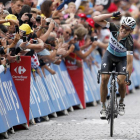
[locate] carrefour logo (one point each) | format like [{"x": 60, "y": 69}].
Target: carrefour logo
[{"x": 20, "y": 70}]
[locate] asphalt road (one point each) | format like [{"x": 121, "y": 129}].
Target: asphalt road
[{"x": 85, "y": 124}]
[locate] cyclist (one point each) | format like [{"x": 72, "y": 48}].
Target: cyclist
[{"x": 120, "y": 52}]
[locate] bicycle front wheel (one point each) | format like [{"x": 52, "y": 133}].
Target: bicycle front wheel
[{"x": 112, "y": 110}]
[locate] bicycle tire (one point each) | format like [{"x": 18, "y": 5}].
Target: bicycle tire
[{"x": 112, "y": 110}]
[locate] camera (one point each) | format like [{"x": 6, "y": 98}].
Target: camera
[
  {"x": 38, "y": 18},
  {"x": 24, "y": 37},
  {"x": 48, "y": 20},
  {"x": 95, "y": 38},
  {"x": 35, "y": 26},
  {"x": 29, "y": 15}
]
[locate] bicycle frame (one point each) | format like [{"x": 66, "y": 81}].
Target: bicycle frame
[
  {"x": 112, "y": 108},
  {"x": 113, "y": 95}
]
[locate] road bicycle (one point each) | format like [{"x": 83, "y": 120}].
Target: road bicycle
[{"x": 112, "y": 108}]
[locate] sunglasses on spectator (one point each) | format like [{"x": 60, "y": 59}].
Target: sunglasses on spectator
[
  {"x": 83, "y": 19},
  {"x": 126, "y": 28},
  {"x": 61, "y": 33},
  {"x": 68, "y": 33}
]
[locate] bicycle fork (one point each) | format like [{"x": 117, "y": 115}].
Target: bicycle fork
[{"x": 115, "y": 101}]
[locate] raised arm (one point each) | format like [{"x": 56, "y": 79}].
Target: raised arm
[{"x": 100, "y": 19}]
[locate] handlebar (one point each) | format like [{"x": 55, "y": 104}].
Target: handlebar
[{"x": 115, "y": 73}]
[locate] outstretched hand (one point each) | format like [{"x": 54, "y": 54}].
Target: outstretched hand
[{"x": 116, "y": 14}]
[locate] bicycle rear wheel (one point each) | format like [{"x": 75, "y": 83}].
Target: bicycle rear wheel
[{"x": 112, "y": 110}]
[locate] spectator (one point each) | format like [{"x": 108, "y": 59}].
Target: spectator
[
  {"x": 47, "y": 8},
  {"x": 16, "y": 6}
]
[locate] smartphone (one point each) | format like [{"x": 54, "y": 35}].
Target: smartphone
[
  {"x": 47, "y": 23},
  {"x": 29, "y": 15},
  {"x": 24, "y": 37},
  {"x": 16, "y": 29},
  {"x": 34, "y": 41},
  {"x": 95, "y": 38},
  {"x": 17, "y": 58}
]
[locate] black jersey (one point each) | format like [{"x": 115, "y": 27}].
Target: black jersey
[{"x": 119, "y": 48}]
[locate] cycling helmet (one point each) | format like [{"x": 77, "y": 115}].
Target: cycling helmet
[{"x": 129, "y": 21}]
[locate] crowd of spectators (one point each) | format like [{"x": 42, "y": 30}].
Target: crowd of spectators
[{"x": 54, "y": 30}]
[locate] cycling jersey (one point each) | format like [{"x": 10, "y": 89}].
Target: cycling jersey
[{"x": 120, "y": 48}]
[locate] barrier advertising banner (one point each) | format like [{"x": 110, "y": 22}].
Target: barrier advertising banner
[
  {"x": 136, "y": 65},
  {"x": 65, "y": 78},
  {"x": 54, "y": 92},
  {"x": 91, "y": 82},
  {"x": 40, "y": 102},
  {"x": 21, "y": 74},
  {"x": 11, "y": 112},
  {"x": 134, "y": 78},
  {"x": 61, "y": 86},
  {"x": 94, "y": 71},
  {"x": 89, "y": 85},
  {"x": 95, "y": 54},
  {"x": 88, "y": 93},
  {"x": 31, "y": 115},
  {"x": 77, "y": 78},
  {"x": 3, "y": 122}
]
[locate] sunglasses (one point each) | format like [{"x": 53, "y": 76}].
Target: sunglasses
[
  {"x": 126, "y": 28},
  {"x": 68, "y": 33},
  {"x": 83, "y": 19},
  {"x": 60, "y": 33}
]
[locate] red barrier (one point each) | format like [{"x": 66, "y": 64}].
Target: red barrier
[
  {"x": 77, "y": 77},
  {"x": 21, "y": 74}
]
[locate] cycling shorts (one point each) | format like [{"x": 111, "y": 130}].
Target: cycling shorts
[{"x": 108, "y": 60}]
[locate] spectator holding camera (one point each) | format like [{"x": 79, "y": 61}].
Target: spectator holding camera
[{"x": 26, "y": 16}]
